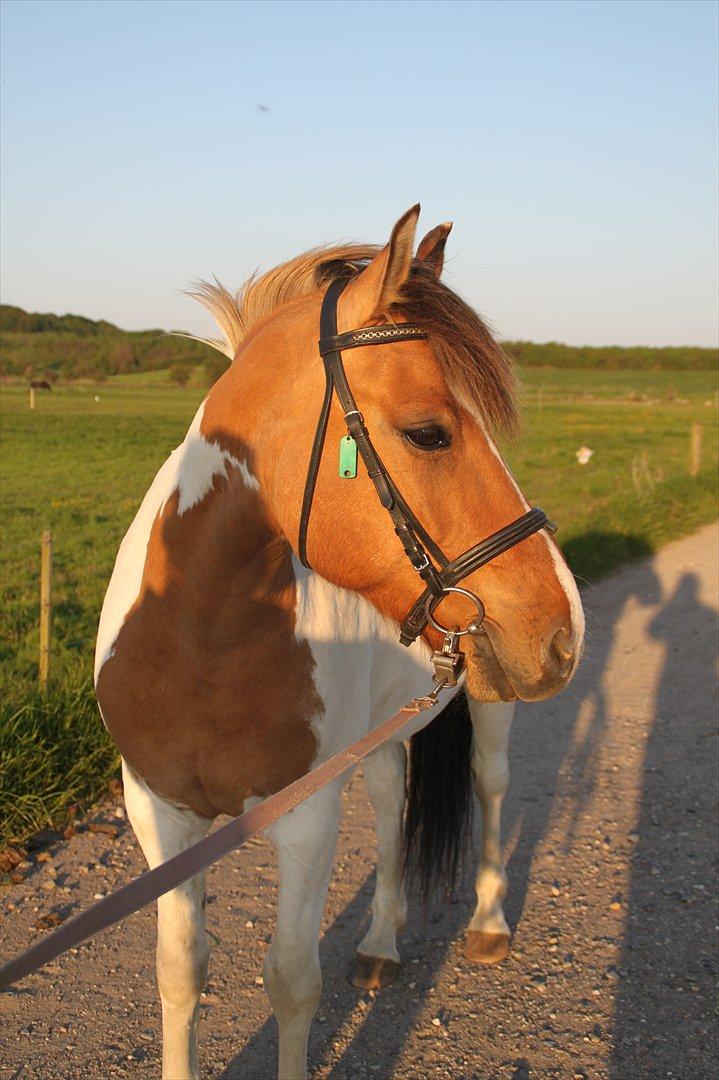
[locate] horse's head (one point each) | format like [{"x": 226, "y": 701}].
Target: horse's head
[{"x": 430, "y": 406}]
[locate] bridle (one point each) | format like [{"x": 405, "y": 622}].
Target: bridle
[{"x": 438, "y": 579}]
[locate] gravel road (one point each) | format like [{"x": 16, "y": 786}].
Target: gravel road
[{"x": 611, "y": 850}]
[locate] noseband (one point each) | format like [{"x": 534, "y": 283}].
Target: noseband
[{"x": 439, "y": 579}]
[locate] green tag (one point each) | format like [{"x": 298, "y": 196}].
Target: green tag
[{"x": 348, "y": 457}]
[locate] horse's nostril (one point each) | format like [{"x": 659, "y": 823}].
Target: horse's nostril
[{"x": 563, "y": 650}]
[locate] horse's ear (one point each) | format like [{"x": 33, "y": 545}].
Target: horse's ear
[
  {"x": 431, "y": 249},
  {"x": 378, "y": 287}
]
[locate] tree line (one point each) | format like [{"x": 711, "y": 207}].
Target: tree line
[
  {"x": 74, "y": 347},
  {"x": 554, "y": 354}
]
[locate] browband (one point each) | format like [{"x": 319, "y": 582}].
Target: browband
[{"x": 370, "y": 335}]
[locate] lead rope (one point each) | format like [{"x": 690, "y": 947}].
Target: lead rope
[{"x": 154, "y": 883}]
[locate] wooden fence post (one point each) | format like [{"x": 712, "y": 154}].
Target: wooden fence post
[
  {"x": 32, "y": 398},
  {"x": 695, "y": 449},
  {"x": 45, "y": 607}
]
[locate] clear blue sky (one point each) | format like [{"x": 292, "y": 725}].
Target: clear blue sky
[{"x": 573, "y": 144}]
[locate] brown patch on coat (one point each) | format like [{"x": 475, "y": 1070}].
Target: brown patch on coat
[{"x": 207, "y": 693}]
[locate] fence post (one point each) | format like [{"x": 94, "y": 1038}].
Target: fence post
[
  {"x": 45, "y": 607},
  {"x": 695, "y": 449},
  {"x": 32, "y": 398}
]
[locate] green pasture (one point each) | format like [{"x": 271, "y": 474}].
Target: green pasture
[{"x": 81, "y": 462}]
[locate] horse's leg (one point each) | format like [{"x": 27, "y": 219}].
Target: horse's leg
[
  {"x": 182, "y": 950},
  {"x": 377, "y": 960},
  {"x": 305, "y": 840},
  {"x": 488, "y": 936}
]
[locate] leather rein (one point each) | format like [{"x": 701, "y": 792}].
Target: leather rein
[{"x": 440, "y": 576}]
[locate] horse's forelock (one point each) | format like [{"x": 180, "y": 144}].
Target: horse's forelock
[{"x": 476, "y": 368}]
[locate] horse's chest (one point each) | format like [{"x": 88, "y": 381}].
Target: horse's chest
[{"x": 205, "y": 722}]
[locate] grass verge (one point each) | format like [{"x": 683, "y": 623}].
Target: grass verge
[{"x": 54, "y": 756}]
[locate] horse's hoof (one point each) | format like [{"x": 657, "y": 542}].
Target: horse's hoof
[
  {"x": 372, "y": 972},
  {"x": 484, "y": 948}
]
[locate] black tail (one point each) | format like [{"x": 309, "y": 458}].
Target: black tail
[{"x": 439, "y": 797}]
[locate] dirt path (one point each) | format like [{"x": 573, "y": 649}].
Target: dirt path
[{"x": 610, "y": 842}]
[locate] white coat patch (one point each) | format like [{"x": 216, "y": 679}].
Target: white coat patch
[
  {"x": 362, "y": 674},
  {"x": 190, "y": 470}
]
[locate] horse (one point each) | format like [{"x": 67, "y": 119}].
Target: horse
[{"x": 227, "y": 668}]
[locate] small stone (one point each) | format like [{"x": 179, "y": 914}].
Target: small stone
[
  {"x": 99, "y": 827},
  {"x": 249, "y": 925},
  {"x": 615, "y": 906},
  {"x": 45, "y": 922},
  {"x": 98, "y": 896},
  {"x": 43, "y": 856},
  {"x": 259, "y": 981},
  {"x": 49, "y": 885},
  {"x": 436, "y": 1022},
  {"x": 554, "y": 890}
]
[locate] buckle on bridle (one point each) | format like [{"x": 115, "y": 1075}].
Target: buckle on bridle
[{"x": 448, "y": 661}]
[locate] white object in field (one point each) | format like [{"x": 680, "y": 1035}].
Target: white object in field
[
  {"x": 583, "y": 455},
  {"x": 96, "y": 398}
]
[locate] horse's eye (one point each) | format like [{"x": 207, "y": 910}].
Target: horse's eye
[{"x": 431, "y": 437}]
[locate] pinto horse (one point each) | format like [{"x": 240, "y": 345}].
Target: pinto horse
[{"x": 226, "y": 669}]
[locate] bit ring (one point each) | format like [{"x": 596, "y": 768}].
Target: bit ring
[{"x": 433, "y": 601}]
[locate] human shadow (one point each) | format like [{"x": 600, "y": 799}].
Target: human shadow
[{"x": 664, "y": 1022}]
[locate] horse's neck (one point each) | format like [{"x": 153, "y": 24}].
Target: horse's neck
[
  {"x": 200, "y": 528},
  {"x": 215, "y": 531}
]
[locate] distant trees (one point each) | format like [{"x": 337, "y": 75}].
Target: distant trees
[
  {"x": 215, "y": 365},
  {"x": 122, "y": 358},
  {"x": 555, "y": 355},
  {"x": 15, "y": 319},
  {"x": 78, "y": 348},
  {"x": 179, "y": 374},
  {"x": 75, "y": 347}
]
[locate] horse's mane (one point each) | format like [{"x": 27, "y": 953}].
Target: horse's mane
[{"x": 477, "y": 370}]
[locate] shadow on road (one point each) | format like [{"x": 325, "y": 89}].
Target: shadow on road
[{"x": 664, "y": 1007}]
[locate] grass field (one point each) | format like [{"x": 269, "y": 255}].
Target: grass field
[{"x": 80, "y": 466}]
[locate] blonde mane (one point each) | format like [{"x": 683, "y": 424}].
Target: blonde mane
[
  {"x": 477, "y": 370},
  {"x": 237, "y": 313}
]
